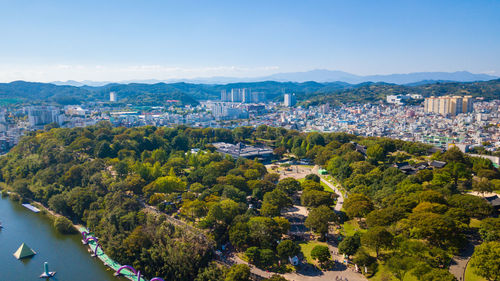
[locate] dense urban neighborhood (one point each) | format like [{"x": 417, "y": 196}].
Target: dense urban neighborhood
[{"x": 475, "y": 128}]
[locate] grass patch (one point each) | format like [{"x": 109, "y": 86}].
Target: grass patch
[
  {"x": 383, "y": 273},
  {"x": 475, "y": 223},
  {"x": 243, "y": 257},
  {"x": 333, "y": 181},
  {"x": 307, "y": 248},
  {"x": 326, "y": 187},
  {"x": 351, "y": 227},
  {"x": 471, "y": 276}
]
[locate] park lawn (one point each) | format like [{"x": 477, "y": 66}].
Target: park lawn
[
  {"x": 326, "y": 187},
  {"x": 383, "y": 272},
  {"x": 307, "y": 247},
  {"x": 475, "y": 223},
  {"x": 351, "y": 226},
  {"x": 331, "y": 180},
  {"x": 471, "y": 276}
]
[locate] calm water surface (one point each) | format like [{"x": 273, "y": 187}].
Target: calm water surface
[{"x": 65, "y": 253}]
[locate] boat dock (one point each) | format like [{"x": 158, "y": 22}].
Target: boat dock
[{"x": 31, "y": 208}]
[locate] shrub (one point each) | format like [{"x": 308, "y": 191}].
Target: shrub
[{"x": 15, "y": 197}]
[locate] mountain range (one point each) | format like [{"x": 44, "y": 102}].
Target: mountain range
[{"x": 317, "y": 75}]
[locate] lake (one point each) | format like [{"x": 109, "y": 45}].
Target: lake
[{"x": 65, "y": 253}]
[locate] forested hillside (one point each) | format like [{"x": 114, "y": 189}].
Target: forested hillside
[
  {"x": 373, "y": 92},
  {"x": 105, "y": 177},
  {"x": 310, "y": 93},
  {"x": 137, "y": 94}
]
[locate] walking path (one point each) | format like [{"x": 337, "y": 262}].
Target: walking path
[
  {"x": 340, "y": 199},
  {"x": 459, "y": 263}
]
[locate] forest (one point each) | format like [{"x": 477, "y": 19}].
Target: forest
[{"x": 165, "y": 208}]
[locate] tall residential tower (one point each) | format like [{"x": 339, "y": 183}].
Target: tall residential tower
[{"x": 290, "y": 100}]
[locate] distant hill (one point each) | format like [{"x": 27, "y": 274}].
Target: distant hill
[
  {"x": 373, "y": 92},
  {"x": 189, "y": 93},
  {"x": 30, "y": 91},
  {"x": 272, "y": 89},
  {"x": 139, "y": 94}
]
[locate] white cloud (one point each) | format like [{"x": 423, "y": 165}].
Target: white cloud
[{"x": 63, "y": 72}]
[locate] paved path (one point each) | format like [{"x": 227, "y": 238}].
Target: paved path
[
  {"x": 340, "y": 199},
  {"x": 459, "y": 263}
]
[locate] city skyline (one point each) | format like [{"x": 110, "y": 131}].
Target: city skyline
[{"x": 115, "y": 41}]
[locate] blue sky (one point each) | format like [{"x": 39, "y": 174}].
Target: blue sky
[{"x": 118, "y": 40}]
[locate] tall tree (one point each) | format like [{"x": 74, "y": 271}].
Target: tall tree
[
  {"x": 358, "y": 205},
  {"x": 486, "y": 260},
  {"x": 319, "y": 219},
  {"x": 238, "y": 272},
  {"x": 377, "y": 238}
]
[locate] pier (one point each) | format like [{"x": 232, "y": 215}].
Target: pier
[{"x": 31, "y": 208}]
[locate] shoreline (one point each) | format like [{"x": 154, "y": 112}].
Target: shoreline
[{"x": 79, "y": 229}]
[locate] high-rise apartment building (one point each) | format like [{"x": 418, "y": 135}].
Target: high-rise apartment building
[
  {"x": 467, "y": 104},
  {"x": 290, "y": 100},
  {"x": 224, "y": 96},
  {"x": 227, "y": 112},
  {"x": 246, "y": 96},
  {"x": 42, "y": 115},
  {"x": 449, "y": 105},
  {"x": 113, "y": 97},
  {"x": 236, "y": 95}
]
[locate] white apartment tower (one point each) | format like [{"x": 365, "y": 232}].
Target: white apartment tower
[
  {"x": 290, "y": 100},
  {"x": 113, "y": 97}
]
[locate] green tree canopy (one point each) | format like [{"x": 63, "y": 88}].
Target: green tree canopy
[
  {"x": 486, "y": 260},
  {"x": 377, "y": 238},
  {"x": 319, "y": 219}
]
